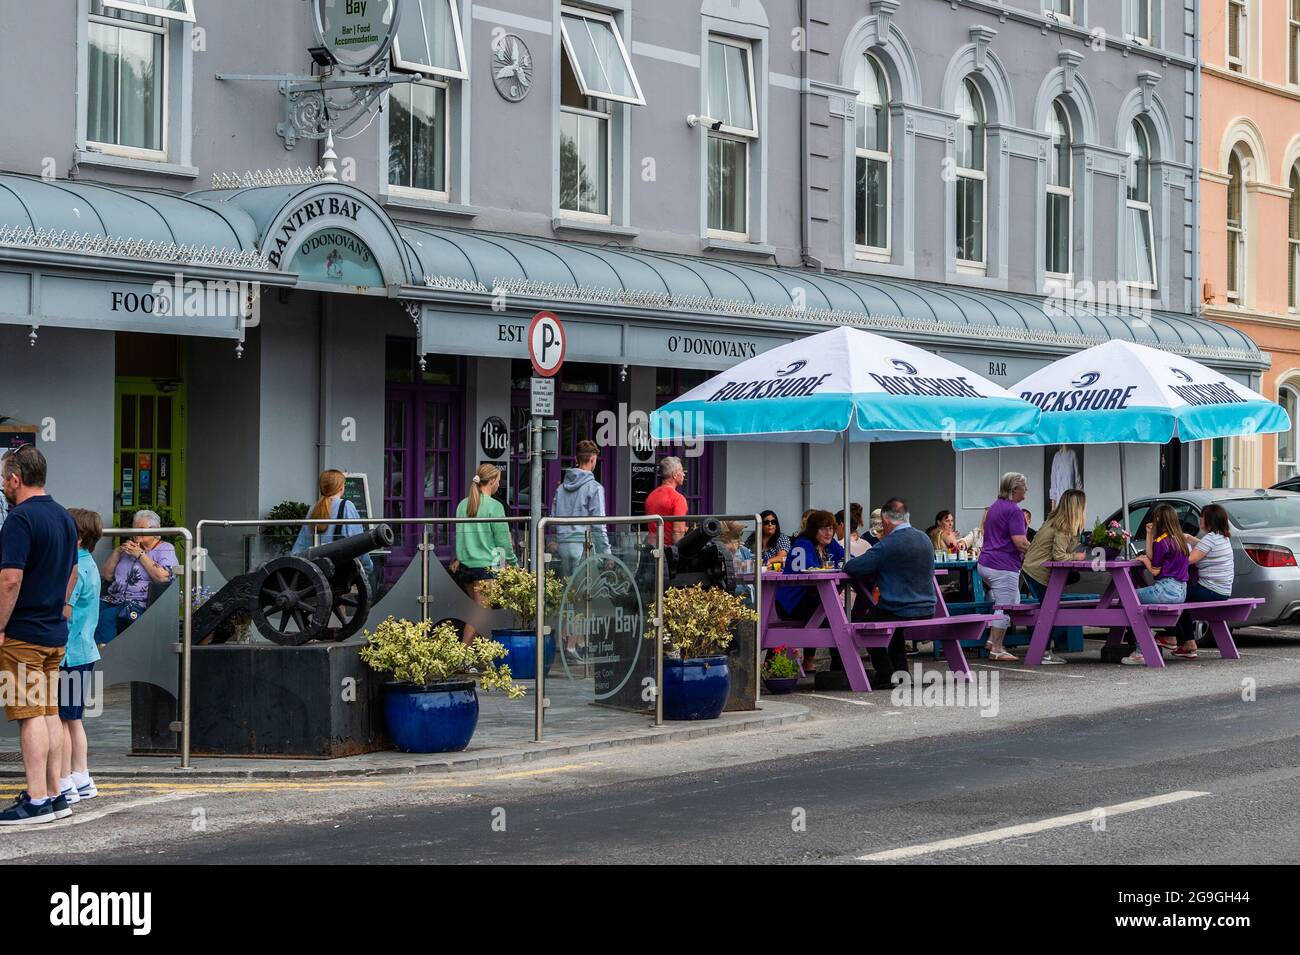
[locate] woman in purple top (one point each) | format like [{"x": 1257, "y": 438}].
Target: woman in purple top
[
  {"x": 1005, "y": 543},
  {"x": 1166, "y": 561},
  {"x": 137, "y": 563}
]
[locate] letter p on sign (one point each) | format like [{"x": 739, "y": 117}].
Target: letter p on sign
[{"x": 546, "y": 344}]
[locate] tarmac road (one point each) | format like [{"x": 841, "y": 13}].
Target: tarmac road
[{"x": 1208, "y": 780}]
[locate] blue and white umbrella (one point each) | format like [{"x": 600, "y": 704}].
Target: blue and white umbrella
[
  {"x": 844, "y": 381},
  {"x": 848, "y": 384},
  {"x": 1121, "y": 392}
]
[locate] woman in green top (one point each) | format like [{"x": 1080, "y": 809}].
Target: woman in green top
[{"x": 481, "y": 548}]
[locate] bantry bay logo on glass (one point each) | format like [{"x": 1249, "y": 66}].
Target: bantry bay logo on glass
[
  {"x": 1082, "y": 396},
  {"x": 912, "y": 382},
  {"x": 602, "y": 604}
]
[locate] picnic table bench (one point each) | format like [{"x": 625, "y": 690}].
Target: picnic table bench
[
  {"x": 829, "y": 625},
  {"x": 1119, "y": 610}
]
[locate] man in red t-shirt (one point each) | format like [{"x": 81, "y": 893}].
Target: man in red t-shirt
[{"x": 667, "y": 501}]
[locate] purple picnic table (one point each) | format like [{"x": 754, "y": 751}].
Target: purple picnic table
[
  {"x": 1119, "y": 610},
  {"x": 830, "y": 626}
]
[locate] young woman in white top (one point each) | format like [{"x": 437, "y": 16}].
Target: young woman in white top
[{"x": 1212, "y": 557}]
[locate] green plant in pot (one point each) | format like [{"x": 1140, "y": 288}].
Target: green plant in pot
[
  {"x": 431, "y": 702},
  {"x": 699, "y": 624},
  {"x": 280, "y": 539},
  {"x": 515, "y": 590},
  {"x": 780, "y": 672}
]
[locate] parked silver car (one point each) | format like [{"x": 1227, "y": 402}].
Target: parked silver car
[{"x": 1265, "y": 543}]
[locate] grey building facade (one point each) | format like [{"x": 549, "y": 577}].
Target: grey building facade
[{"x": 684, "y": 183}]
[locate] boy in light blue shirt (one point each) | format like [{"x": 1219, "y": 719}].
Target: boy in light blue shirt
[{"x": 76, "y": 672}]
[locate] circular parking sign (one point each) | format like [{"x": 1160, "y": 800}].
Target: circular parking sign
[{"x": 546, "y": 344}]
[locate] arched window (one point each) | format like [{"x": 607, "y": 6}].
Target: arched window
[
  {"x": 1060, "y": 192},
  {"x": 972, "y": 177},
  {"x": 1287, "y": 442},
  {"x": 1139, "y": 253},
  {"x": 1236, "y": 229},
  {"x": 873, "y": 157},
  {"x": 1293, "y": 240}
]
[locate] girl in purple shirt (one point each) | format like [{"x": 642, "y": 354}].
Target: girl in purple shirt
[{"x": 1166, "y": 561}]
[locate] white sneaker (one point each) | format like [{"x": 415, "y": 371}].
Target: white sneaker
[
  {"x": 71, "y": 795},
  {"x": 1050, "y": 660},
  {"x": 1134, "y": 660},
  {"x": 87, "y": 789}
]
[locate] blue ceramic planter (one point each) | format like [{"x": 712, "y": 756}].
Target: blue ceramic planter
[
  {"x": 521, "y": 652},
  {"x": 696, "y": 689},
  {"x": 431, "y": 719}
]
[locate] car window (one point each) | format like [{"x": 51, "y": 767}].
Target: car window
[
  {"x": 1137, "y": 519},
  {"x": 1189, "y": 516},
  {"x": 1259, "y": 513}
]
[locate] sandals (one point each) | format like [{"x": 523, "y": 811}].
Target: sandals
[{"x": 1003, "y": 656}]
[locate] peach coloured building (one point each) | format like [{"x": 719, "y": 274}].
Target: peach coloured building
[{"x": 1250, "y": 210}]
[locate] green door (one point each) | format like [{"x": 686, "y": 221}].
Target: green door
[{"x": 149, "y": 466}]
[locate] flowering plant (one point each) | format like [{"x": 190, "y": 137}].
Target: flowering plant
[
  {"x": 1109, "y": 535},
  {"x": 780, "y": 666},
  {"x": 515, "y": 589},
  {"x": 699, "y": 622},
  {"x": 421, "y": 654}
]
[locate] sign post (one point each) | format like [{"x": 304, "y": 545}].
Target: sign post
[{"x": 546, "y": 347}]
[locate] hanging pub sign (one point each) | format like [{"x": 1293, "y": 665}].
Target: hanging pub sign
[{"x": 357, "y": 33}]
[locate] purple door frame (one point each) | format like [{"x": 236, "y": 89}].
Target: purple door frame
[{"x": 575, "y": 406}]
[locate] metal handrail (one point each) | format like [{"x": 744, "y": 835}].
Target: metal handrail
[
  {"x": 541, "y": 558},
  {"x": 187, "y": 598}
]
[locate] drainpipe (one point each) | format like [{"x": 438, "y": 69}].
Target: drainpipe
[
  {"x": 1195, "y": 306},
  {"x": 806, "y": 471},
  {"x": 322, "y": 423},
  {"x": 806, "y": 257}
]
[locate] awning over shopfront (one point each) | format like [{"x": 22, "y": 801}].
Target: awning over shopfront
[
  {"x": 81, "y": 255},
  {"x": 709, "y": 313}
]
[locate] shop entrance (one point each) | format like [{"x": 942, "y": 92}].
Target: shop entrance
[
  {"x": 423, "y": 429},
  {"x": 582, "y": 391},
  {"x": 149, "y": 433}
]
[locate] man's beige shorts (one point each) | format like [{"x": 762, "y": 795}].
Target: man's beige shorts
[{"x": 30, "y": 681}]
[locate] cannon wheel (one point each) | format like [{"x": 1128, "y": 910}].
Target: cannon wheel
[
  {"x": 351, "y": 604},
  {"x": 292, "y": 591}
]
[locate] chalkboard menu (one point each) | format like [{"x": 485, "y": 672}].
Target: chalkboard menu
[
  {"x": 356, "y": 488},
  {"x": 643, "y": 482}
]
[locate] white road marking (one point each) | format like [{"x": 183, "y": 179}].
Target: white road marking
[
  {"x": 78, "y": 817},
  {"x": 1028, "y": 828},
  {"x": 1048, "y": 671},
  {"x": 841, "y": 699}
]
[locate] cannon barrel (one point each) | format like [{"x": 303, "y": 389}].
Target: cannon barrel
[
  {"x": 345, "y": 549},
  {"x": 697, "y": 539}
]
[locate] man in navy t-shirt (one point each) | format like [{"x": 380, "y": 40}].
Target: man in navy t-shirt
[{"x": 38, "y": 560}]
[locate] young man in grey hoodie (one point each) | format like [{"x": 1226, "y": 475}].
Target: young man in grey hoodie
[{"x": 579, "y": 495}]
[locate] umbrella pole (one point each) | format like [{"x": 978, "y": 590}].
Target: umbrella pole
[
  {"x": 1123, "y": 500},
  {"x": 848, "y": 512}
]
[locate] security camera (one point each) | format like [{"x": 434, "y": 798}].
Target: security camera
[{"x": 713, "y": 124}]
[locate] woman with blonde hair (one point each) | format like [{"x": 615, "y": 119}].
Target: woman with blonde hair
[
  {"x": 481, "y": 549},
  {"x": 1057, "y": 539},
  {"x": 330, "y": 507}
]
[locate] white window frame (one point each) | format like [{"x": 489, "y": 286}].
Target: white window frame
[
  {"x": 1064, "y": 16},
  {"x": 428, "y": 69},
  {"x": 746, "y": 137},
  {"x": 587, "y": 89},
  {"x": 1293, "y": 241},
  {"x": 607, "y": 217},
  {"x": 412, "y": 192},
  {"x": 138, "y": 152},
  {"x": 1068, "y": 192},
  {"x": 1146, "y": 209},
  {"x": 134, "y": 7},
  {"x": 1291, "y": 466},
  {"x": 1140, "y": 39},
  {"x": 1240, "y": 62},
  {"x": 976, "y": 266},
  {"x": 1293, "y": 42},
  {"x": 1236, "y": 235},
  {"x": 873, "y": 252}
]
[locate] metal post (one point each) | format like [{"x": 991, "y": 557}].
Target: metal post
[
  {"x": 659, "y": 625},
  {"x": 539, "y": 568},
  {"x": 535, "y": 477},
  {"x": 758, "y": 606},
  {"x": 1128, "y": 550},
  {"x": 187, "y": 595},
  {"x": 424, "y": 574},
  {"x": 848, "y": 516}
]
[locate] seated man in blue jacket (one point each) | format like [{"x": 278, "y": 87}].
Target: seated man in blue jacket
[{"x": 903, "y": 566}]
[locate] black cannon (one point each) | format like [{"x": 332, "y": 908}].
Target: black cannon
[
  {"x": 322, "y": 594},
  {"x": 700, "y": 558}
]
